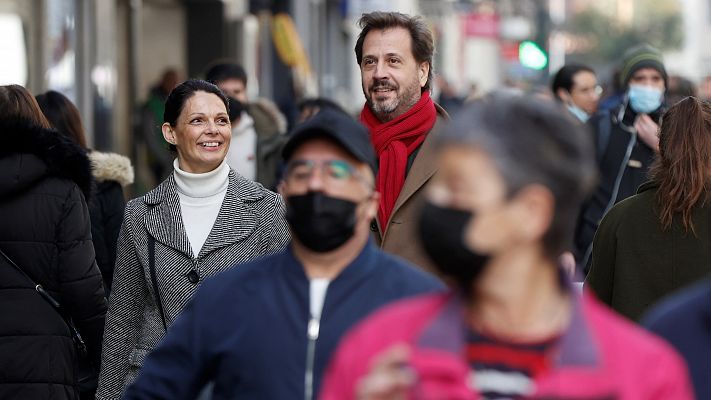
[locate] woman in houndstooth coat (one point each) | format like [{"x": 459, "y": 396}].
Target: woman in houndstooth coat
[{"x": 203, "y": 219}]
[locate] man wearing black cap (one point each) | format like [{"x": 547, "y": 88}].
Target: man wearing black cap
[
  {"x": 626, "y": 141},
  {"x": 266, "y": 329}
]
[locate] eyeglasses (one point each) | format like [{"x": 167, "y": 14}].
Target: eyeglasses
[{"x": 333, "y": 172}]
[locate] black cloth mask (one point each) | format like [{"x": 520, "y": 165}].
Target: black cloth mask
[
  {"x": 442, "y": 232},
  {"x": 320, "y": 222}
]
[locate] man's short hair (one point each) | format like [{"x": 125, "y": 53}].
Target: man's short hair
[
  {"x": 422, "y": 40},
  {"x": 222, "y": 71},
  {"x": 540, "y": 146},
  {"x": 563, "y": 79}
]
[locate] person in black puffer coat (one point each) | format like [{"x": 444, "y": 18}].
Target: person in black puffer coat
[
  {"x": 111, "y": 172},
  {"x": 45, "y": 230}
]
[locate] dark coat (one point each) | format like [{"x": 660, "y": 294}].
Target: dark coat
[
  {"x": 111, "y": 172},
  {"x": 684, "y": 320},
  {"x": 246, "y": 329},
  {"x": 45, "y": 229},
  {"x": 635, "y": 263},
  {"x": 610, "y": 156}
]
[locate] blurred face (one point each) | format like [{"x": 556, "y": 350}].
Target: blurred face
[
  {"x": 585, "y": 92},
  {"x": 647, "y": 77},
  {"x": 202, "y": 133},
  {"x": 390, "y": 76},
  {"x": 320, "y": 165},
  {"x": 468, "y": 180},
  {"x": 234, "y": 88}
]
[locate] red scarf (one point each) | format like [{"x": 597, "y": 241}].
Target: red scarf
[{"x": 394, "y": 141}]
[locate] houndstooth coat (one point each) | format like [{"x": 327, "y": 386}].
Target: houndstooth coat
[{"x": 250, "y": 224}]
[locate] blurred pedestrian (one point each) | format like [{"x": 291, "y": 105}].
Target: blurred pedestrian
[
  {"x": 625, "y": 141},
  {"x": 110, "y": 171},
  {"x": 203, "y": 219},
  {"x": 46, "y": 233},
  {"x": 679, "y": 89},
  {"x": 683, "y": 320},
  {"x": 705, "y": 89},
  {"x": 266, "y": 329},
  {"x": 312, "y": 106},
  {"x": 394, "y": 52},
  {"x": 258, "y": 137},
  {"x": 160, "y": 161},
  {"x": 660, "y": 240},
  {"x": 575, "y": 86},
  {"x": 498, "y": 215},
  {"x": 449, "y": 99}
]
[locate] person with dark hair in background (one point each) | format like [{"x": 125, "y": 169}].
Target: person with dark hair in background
[
  {"x": 679, "y": 89},
  {"x": 280, "y": 317},
  {"x": 312, "y": 106},
  {"x": 203, "y": 219},
  {"x": 261, "y": 132},
  {"x": 45, "y": 231},
  {"x": 660, "y": 240},
  {"x": 497, "y": 217},
  {"x": 394, "y": 52},
  {"x": 576, "y": 87},
  {"x": 625, "y": 142},
  {"x": 160, "y": 161},
  {"x": 111, "y": 172}
]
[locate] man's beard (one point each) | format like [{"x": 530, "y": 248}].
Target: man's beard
[{"x": 388, "y": 110}]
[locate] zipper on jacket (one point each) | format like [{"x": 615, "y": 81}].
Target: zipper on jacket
[{"x": 312, "y": 333}]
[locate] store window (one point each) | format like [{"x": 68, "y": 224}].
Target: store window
[{"x": 12, "y": 46}]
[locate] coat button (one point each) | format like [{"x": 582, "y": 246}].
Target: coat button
[
  {"x": 373, "y": 226},
  {"x": 193, "y": 277}
]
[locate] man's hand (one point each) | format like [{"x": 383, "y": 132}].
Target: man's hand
[
  {"x": 647, "y": 131},
  {"x": 390, "y": 377}
]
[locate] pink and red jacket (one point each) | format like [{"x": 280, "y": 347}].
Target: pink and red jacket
[{"x": 600, "y": 355}]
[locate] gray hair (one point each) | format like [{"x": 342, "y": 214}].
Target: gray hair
[{"x": 532, "y": 142}]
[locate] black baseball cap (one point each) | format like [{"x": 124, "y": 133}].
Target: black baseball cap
[{"x": 338, "y": 126}]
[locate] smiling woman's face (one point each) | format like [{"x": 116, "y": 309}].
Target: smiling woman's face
[{"x": 201, "y": 134}]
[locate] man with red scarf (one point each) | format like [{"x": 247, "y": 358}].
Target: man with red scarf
[{"x": 394, "y": 52}]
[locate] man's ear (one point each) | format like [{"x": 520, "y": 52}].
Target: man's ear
[
  {"x": 168, "y": 133},
  {"x": 375, "y": 204},
  {"x": 280, "y": 188},
  {"x": 423, "y": 72},
  {"x": 563, "y": 95}
]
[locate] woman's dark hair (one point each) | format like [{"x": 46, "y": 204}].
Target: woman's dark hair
[
  {"x": 63, "y": 115},
  {"x": 563, "y": 79},
  {"x": 422, "y": 40},
  {"x": 16, "y": 104},
  {"x": 683, "y": 168},
  {"x": 179, "y": 96}
]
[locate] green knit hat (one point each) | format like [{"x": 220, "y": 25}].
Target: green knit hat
[{"x": 642, "y": 56}]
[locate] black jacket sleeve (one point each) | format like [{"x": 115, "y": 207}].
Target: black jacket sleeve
[{"x": 81, "y": 288}]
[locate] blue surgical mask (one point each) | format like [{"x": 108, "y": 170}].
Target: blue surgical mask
[
  {"x": 645, "y": 99},
  {"x": 578, "y": 112}
]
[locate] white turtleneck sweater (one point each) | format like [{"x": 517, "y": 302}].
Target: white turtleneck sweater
[{"x": 201, "y": 197}]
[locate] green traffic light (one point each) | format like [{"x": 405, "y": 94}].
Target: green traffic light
[{"x": 530, "y": 55}]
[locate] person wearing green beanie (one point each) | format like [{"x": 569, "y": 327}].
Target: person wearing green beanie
[{"x": 626, "y": 141}]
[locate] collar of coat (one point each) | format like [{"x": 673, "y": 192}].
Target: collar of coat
[
  {"x": 63, "y": 157},
  {"x": 235, "y": 222}
]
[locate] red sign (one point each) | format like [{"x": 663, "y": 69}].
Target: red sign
[
  {"x": 481, "y": 25},
  {"x": 509, "y": 50}
]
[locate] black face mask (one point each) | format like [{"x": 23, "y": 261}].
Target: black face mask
[
  {"x": 321, "y": 223},
  {"x": 442, "y": 235}
]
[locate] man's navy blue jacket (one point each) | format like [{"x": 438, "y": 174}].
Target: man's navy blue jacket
[
  {"x": 684, "y": 320},
  {"x": 246, "y": 329}
]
